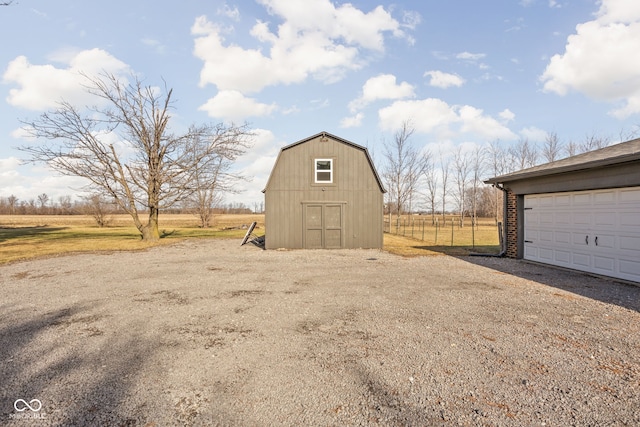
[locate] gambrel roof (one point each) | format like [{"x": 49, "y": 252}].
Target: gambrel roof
[{"x": 336, "y": 138}]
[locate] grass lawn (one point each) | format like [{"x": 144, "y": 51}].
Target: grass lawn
[{"x": 31, "y": 236}]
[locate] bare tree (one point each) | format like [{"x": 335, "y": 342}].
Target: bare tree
[
  {"x": 627, "y": 135},
  {"x": 477, "y": 169},
  {"x": 43, "y": 199},
  {"x": 461, "y": 165},
  {"x": 431, "y": 183},
  {"x": 497, "y": 162},
  {"x": 593, "y": 142},
  {"x": 444, "y": 169},
  {"x": 213, "y": 176},
  {"x": 524, "y": 154},
  {"x": 65, "y": 204},
  {"x": 402, "y": 169},
  {"x": 146, "y": 170},
  {"x": 551, "y": 148},
  {"x": 12, "y": 201},
  {"x": 572, "y": 148},
  {"x": 99, "y": 208}
]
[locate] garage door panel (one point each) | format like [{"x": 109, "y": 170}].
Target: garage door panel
[
  {"x": 604, "y": 198},
  {"x": 630, "y": 243},
  {"x": 546, "y": 218},
  {"x": 605, "y": 265},
  {"x": 563, "y": 218},
  {"x": 531, "y": 235},
  {"x": 629, "y": 221},
  {"x": 545, "y": 255},
  {"x": 581, "y": 199},
  {"x": 563, "y": 257},
  {"x": 545, "y": 236},
  {"x": 581, "y": 259},
  {"x": 545, "y": 200},
  {"x": 605, "y": 241},
  {"x": 630, "y": 269},
  {"x": 631, "y": 196},
  {"x": 595, "y": 231},
  {"x": 604, "y": 219},
  {"x": 582, "y": 218},
  {"x": 531, "y": 252},
  {"x": 580, "y": 238},
  {"x": 562, "y": 237}
]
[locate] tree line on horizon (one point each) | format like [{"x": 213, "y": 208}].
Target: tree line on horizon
[{"x": 443, "y": 183}]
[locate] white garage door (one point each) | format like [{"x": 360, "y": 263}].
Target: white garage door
[{"x": 595, "y": 231}]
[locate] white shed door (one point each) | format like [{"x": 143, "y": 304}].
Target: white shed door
[{"x": 595, "y": 231}]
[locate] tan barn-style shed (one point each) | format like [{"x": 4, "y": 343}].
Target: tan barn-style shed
[{"x": 323, "y": 193}]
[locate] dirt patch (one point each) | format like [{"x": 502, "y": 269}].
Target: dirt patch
[{"x": 212, "y": 333}]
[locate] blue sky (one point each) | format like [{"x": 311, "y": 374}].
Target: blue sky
[{"x": 464, "y": 72}]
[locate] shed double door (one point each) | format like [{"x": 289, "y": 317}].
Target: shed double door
[
  {"x": 323, "y": 225},
  {"x": 597, "y": 231}
]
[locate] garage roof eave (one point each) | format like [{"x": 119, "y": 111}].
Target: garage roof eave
[{"x": 616, "y": 154}]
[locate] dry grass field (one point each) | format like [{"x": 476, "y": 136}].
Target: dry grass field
[{"x": 31, "y": 236}]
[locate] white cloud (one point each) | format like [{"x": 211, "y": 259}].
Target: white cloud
[
  {"x": 383, "y": 86},
  {"x": 353, "y": 121},
  {"x": 343, "y": 22},
  {"x": 437, "y": 117},
  {"x": 229, "y": 12},
  {"x": 28, "y": 181},
  {"x": 257, "y": 163},
  {"x": 468, "y": 56},
  {"x": 601, "y": 60},
  {"x": 315, "y": 39},
  {"x": 533, "y": 134},
  {"x": 8, "y": 168},
  {"x": 619, "y": 11},
  {"x": 41, "y": 87},
  {"x": 507, "y": 115},
  {"x": 234, "y": 106},
  {"x": 477, "y": 123},
  {"x": 444, "y": 80},
  {"x": 411, "y": 19},
  {"x": 155, "y": 45},
  {"x": 427, "y": 115}
]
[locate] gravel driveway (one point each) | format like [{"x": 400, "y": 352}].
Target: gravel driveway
[{"x": 207, "y": 332}]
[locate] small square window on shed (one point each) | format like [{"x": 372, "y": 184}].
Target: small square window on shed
[{"x": 324, "y": 171}]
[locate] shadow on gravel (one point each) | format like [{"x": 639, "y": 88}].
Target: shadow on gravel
[
  {"x": 598, "y": 288},
  {"x": 387, "y": 406},
  {"x": 76, "y": 386}
]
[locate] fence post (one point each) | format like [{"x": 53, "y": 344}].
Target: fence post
[
  {"x": 436, "y": 242},
  {"x": 473, "y": 234},
  {"x": 423, "y": 229},
  {"x": 452, "y": 225}
]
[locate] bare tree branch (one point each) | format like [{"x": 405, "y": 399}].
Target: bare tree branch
[{"x": 125, "y": 149}]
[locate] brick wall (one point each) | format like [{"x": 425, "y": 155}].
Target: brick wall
[{"x": 512, "y": 225}]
